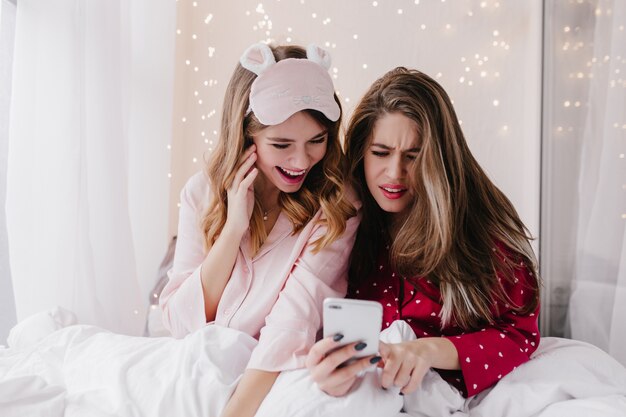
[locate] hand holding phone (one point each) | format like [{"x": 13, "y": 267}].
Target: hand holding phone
[{"x": 356, "y": 320}]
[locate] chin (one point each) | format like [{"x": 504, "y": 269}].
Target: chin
[
  {"x": 392, "y": 209},
  {"x": 389, "y": 207},
  {"x": 290, "y": 190}
]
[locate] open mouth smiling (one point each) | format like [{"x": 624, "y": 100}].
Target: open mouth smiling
[{"x": 291, "y": 176}]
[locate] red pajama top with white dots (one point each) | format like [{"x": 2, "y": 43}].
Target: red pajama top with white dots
[{"x": 485, "y": 355}]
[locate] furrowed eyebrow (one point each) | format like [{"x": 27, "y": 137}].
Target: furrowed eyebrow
[
  {"x": 286, "y": 140},
  {"x": 385, "y": 147},
  {"x": 320, "y": 135}
]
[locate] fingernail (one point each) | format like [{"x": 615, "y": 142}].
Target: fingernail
[
  {"x": 402, "y": 393},
  {"x": 384, "y": 389},
  {"x": 375, "y": 359},
  {"x": 360, "y": 346},
  {"x": 337, "y": 337}
]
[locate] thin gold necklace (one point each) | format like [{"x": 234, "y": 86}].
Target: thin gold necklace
[{"x": 267, "y": 212}]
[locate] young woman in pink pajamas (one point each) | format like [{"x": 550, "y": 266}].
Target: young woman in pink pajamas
[
  {"x": 265, "y": 232},
  {"x": 439, "y": 246}
]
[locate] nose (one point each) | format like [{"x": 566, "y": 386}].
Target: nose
[
  {"x": 300, "y": 158},
  {"x": 396, "y": 168}
]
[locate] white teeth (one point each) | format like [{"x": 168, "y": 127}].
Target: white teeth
[
  {"x": 392, "y": 190},
  {"x": 293, "y": 173}
]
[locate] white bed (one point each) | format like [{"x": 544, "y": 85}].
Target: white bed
[{"x": 53, "y": 368}]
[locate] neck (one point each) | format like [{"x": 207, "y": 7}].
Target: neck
[
  {"x": 266, "y": 192},
  {"x": 394, "y": 223}
]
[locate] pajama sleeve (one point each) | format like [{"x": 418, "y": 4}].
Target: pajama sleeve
[
  {"x": 291, "y": 327},
  {"x": 487, "y": 355},
  {"x": 182, "y": 300}
]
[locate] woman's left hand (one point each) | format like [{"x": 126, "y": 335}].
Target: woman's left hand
[{"x": 405, "y": 364}]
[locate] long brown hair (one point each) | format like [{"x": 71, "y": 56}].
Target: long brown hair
[
  {"x": 323, "y": 188},
  {"x": 461, "y": 231}
]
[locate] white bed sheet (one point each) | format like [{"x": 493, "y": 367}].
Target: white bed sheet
[{"x": 52, "y": 369}]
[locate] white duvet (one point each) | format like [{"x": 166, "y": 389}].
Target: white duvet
[{"x": 52, "y": 369}]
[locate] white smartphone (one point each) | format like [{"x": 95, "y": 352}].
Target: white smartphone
[{"x": 356, "y": 320}]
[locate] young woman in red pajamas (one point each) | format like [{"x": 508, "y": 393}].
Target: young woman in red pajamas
[{"x": 439, "y": 246}]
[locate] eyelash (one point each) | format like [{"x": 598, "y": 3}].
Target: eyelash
[
  {"x": 383, "y": 154},
  {"x": 284, "y": 146}
]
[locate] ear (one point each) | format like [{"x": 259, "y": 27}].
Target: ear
[
  {"x": 257, "y": 58},
  {"x": 318, "y": 55}
]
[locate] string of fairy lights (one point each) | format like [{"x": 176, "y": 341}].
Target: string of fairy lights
[
  {"x": 202, "y": 102},
  {"x": 476, "y": 74}
]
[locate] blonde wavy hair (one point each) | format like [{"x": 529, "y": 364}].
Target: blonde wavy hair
[
  {"x": 323, "y": 187},
  {"x": 461, "y": 230}
]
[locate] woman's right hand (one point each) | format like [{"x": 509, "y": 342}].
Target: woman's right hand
[
  {"x": 240, "y": 194},
  {"x": 324, "y": 366}
]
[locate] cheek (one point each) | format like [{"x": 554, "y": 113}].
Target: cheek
[
  {"x": 370, "y": 178},
  {"x": 318, "y": 153},
  {"x": 412, "y": 177},
  {"x": 370, "y": 168},
  {"x": 266, "y": 157}
]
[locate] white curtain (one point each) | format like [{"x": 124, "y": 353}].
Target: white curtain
[
  {"x": 597, "y": 310},
  {"x": 7, "y": 32},
  {"x": 88, "y": 160}
]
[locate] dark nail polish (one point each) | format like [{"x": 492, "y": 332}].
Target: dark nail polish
[
  {"x": 375, "y": 360},
  {"x": 360, "y": 346},
  {"x": 402, "y": 393},
  {"x": 337, "y": 337}
]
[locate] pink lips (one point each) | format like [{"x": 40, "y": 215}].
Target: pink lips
[
  {"x": 393, "y": 191},
  {"x": 290, "y": 179}
]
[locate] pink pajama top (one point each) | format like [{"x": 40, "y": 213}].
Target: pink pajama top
[
  {"x": 275, "y": 296},
  {"x": 486, "y": 354}
]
